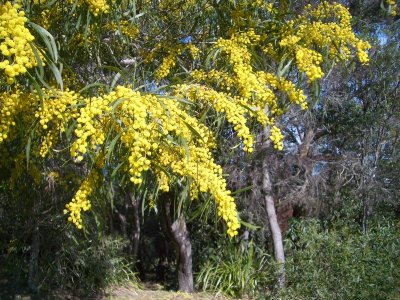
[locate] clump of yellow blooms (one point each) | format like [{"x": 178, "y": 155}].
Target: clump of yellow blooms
[
  {"x": 207, "y": 178},
  {"x": 254, "y": 93},
  {"x": 194, "y": 51},
  {"x": 90, "y": 127},
  {"x": 12, "y": 104},
  {"x": 326, "y": 27},
  {"x": 98, "y": 6},
  {"x": 125, "y": 28},
  {"x": 95, "y": 6},
  {"x": 14, "y": 42},
  {"x": 393, "y": 9},
  {"x": 167, "y": 64},
  {"x": 169, "y": 61},
  {"x": 8, "y": 107},
  {"x": 309, "y": 62},
  {"x": 223, "y": 103},
  {"x": 277, "y": 137},
  {"x": 81, "y": 200},
  {"x": 245, "y": 92},
  {"x": 158, "y": 132},
  {"x": 149, "y": 126},
  {"x": 53, "y": 115}
]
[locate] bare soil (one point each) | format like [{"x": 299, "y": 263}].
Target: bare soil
[{"x": 154, "y": 291}]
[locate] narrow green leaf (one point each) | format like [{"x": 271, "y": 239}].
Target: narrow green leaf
[
  {"x": 114, "y": 172},
  {"x": 28, "y": 150},
  {"x": 250, "y": 226},
  {"x": 243, "y": 190},
  {"x": 48, "y": 39},
  {"x": 111, "y": 146}
]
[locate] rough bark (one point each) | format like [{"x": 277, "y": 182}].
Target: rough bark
[
  {"x": 180, "y": 236},
  {"x": 273, "y": 220}
]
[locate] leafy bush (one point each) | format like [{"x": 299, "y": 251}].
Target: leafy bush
[
  {"x": 236, "y": 270},
  {"x": 343, "y": 262},
  {"x": 87, "y": 265},
  {"x": 69, "y": 259}
]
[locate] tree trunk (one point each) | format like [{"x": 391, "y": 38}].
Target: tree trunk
[
  {"x": 272, "y": 219},
  {"x": 185, "y": 274},
  {"x": 136, "y": 225},
  {"x": 180, "y": 235},
  {"x": 34, "y": 259}
]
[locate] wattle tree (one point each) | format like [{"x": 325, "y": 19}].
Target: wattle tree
[{"x": 132, "y": 90}]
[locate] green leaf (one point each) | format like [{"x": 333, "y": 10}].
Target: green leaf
[
  {"x": 111, "y": 146},
  {"x": 89, "y": 86},
  {"x": 48, "y": 39},
  {"x": 28, "y": 150},
  {"x": 194, "y": 131},
  {"x": 115, "y": 170},
  {"x": 283, "y": 70},
  {"x": 250, "y": 226},
  {"x": 243, "y": 190}
]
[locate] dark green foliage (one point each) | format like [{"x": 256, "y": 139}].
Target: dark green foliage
[
  {"x": 341, "y": 262},
  {"x": 92, "y": 264},
  {"x": 68, "y": 259}
]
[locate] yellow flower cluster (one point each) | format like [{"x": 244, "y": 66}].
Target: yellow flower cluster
[
  {"x": 221, "y": 79},
  {"x": 262, "y": 4},
  {"x": 15, "y": 39},
  {"x": 158, "y": 132},
  {"x": 392, "y": 7},
  {"x": 138, "y": 135},
  {"x": 255, "y": 89},
  {"x": 294, "y": 94},
  {"x": 125, "y": 28},
  {"x": 91, "y": 122},
  {"x": 207, "y": 178},
  {"x": 194, "y": 51},
  {"x": 326, "y": 27},
  {"x": 81, "y": 200},
  {"x": 8, "y": 106},
  {"x": 318, "y": 30},
  {"x": 98, "y": 6},
  {"x": 169, "y": 61},
  {"x": 309, "y": 62},
  {"x": 54, "y": 108},
  {"x": 167, "y": 64},
  {"x": 54, "y": 114},
  {"x": 222, "y": 102},
  {"x": 148, "y": 121},
  {"x": 277, "y": 138},
  {"x": 12, "y": 104},
  {"x": 95, "y": 6}
]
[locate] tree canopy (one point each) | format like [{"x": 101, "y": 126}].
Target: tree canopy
[{"x": 140, "y": 96}]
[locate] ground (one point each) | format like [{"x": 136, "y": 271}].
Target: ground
[
  {"x": 154, "y": 291},
  {"x": 148, "y": 291}
]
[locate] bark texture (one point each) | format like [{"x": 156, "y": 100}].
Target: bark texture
[
  {"x": 185, "y": 273},
  {"x": 180, "y": 235},
  {"x": 272, "y": 218}
]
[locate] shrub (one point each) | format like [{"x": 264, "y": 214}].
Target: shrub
[
  {"x": 236, "y": 270},
  {"x": 342, "y": 262}
]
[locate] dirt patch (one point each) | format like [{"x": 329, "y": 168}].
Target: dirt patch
[{"x": 152, "y": 292}]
